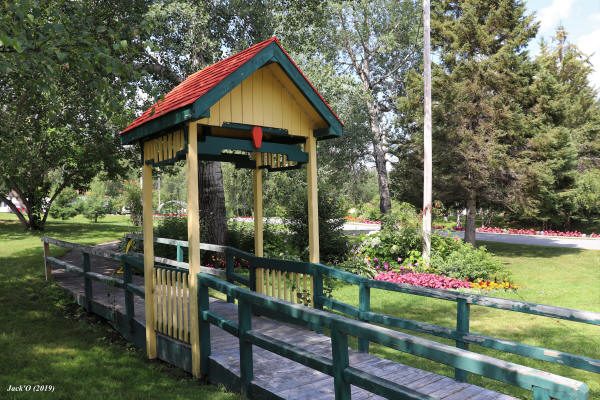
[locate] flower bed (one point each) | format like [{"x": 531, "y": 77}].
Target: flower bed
[
  {"x": 514, "y": 231},
  {"x": 423, "y": 279},
  {"x": 436, "y": 281},
  {"x": 362, "y": 220}
]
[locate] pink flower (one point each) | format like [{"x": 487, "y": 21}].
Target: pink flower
[{"x": 423, "y": 280}]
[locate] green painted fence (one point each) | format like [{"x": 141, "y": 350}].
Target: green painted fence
[
  {"x": 544, "y": 385},
  {"x": 462, "y": 335}
]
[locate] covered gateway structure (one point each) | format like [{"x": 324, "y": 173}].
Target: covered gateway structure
[{"x": 255, "y": 109}]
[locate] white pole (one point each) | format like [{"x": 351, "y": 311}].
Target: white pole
[{"x": 427, "y": 166}]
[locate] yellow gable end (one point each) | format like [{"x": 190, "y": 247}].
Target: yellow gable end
[{"x": 267, "y": 98}]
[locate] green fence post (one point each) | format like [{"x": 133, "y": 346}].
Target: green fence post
[
  {"x": 87, "y": 281},
  {"x": 317, "y": 288},
  {"x": 244, "y": 325},
  {"x": 541, "y": 394},
  {"x": 229, "y": 272},
  {"x": 462, "y": 327},
  {"x": 205, "y": 348},
  {"x": 364, "y": 306},
  {"x": 341, "y": 361},
  {"x": 129, "y": 305},
  {"x": 252, "y": 277},
  {"x": 179, "y": 253}
]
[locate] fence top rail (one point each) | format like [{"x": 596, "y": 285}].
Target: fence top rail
[
  {"x": 514, "y": 374},
  {"x": 569, "y": 314},
  {"x": 587, "y": 317}
]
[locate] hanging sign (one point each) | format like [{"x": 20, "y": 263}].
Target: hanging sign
[{"x": 257, "y": 134}]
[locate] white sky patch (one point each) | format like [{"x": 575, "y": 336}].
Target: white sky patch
[
  {"x": 554, "y": 14},
  {"x": 590, "y": 45},
  {"x": 595, "y": 17}
]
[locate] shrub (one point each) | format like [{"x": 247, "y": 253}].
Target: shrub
[
  {"x": 398, "y": 246},
  {"x": 171, "y": 228},
  {"x": 65, "y": 206},
  {"x": 94, "y": 208},
  {"x": 132, "y": 200},
  {"x": 332, "y": 240},
  {"x": 468, "y": 262}
]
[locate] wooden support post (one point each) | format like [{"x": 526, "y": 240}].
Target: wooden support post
[
  {"x": 148, "y": 260},
  {"x": 313, "y": 200},
  {"x": 129, "y": 305},
  {"x": 341, "y": 361},
  {"x": 257, "y": 186},
  {"x": 364, "y": 305},
  {"x": 87, "y": 282},
  {"x": 203, "y": 304},
  {"x": 462, "y": 327},
  {"x": 193, "y": 209},
  {"x": 47, "y": 266},
  {"x": 246, "y": 361}
]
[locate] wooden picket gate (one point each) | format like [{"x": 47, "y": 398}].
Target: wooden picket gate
[
  {"x": 288, "y": 286},
  {"x": 171, "y": 302}
]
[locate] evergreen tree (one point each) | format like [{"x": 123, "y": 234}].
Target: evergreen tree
[
  {"x": 562, "y": 150},
  {"x": 479, "y": 88}
]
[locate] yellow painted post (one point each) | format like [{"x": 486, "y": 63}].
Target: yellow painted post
[
  {"x": 148, "y": 260},
  {"x": 193, "y": 211},
  {"x": 313, "y": 200},
  {"x": 257, "y": 185}
]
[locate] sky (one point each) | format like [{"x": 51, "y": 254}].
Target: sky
[{"x": 581, "y": 19}]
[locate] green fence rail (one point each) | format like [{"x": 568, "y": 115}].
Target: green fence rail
[
  {"x": 461, "y": 334},
  {"x": 544, "y": 386}
]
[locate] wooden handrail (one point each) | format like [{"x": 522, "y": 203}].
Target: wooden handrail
[
  {"x": 461, "y": 334},
  {"x": 541, "y": 383}
]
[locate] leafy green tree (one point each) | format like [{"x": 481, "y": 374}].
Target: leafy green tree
[
  {"x": 96, "y": 204},
  {"x": 479, "y": 89},
  {"x": 132, "y": 201},
  {"x": 64, "y": 69},
  {"x": 374, "y": 43}
]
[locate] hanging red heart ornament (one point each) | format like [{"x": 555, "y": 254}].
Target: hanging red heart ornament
[{"x": 257, "y": 134}]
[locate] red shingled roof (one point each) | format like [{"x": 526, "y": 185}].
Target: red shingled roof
[{"x": 201, "y": 82}]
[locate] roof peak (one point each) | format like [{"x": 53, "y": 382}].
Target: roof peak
[{"x": 195, "y": 86}]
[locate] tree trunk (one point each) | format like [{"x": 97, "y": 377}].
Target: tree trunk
[
  {"x": 213, "y": 217},
  {"x": 385, "y": 202},
  {"x": 470, "y": 224},
  {"x": 14, "y": 209}
]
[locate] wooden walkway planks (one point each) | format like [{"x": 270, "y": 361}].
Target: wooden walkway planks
[{"x": 280, "y": 376}]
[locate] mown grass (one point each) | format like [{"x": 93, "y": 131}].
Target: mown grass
[
  {"x": 46, "y": 339},
  {"x": 556, "y": 276}
]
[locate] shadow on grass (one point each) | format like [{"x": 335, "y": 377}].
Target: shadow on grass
[{"x": 45, "y": 338}]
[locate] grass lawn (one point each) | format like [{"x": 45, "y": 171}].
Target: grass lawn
[
  {"x": 556, "y": 276},
  {"x": 46, "y": 339}
]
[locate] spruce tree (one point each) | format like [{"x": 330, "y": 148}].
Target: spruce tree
[{"x": 480, "y": 87}]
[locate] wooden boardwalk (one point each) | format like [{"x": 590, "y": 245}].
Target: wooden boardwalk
[{"x": 276, "y": 375}]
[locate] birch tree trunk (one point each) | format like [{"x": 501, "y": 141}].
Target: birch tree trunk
[{"x": 385, "y": 203}]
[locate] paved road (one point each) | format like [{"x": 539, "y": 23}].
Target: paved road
[{"x": 576, "y": 243}]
